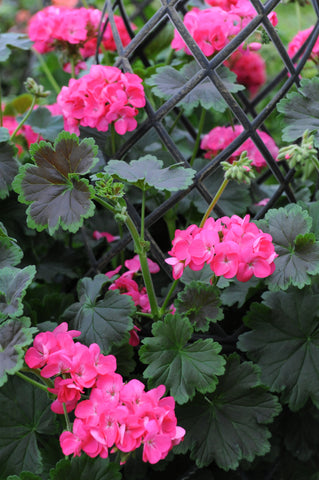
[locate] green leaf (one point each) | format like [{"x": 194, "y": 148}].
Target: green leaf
[
  {"x": 148, "y": 172},
  {"x": 18, "y": 105},
  {"x": 13, "y": 285},
  {"x": 84, "y": 467},
  {"x": 229, "y": 425},
  {"x": 25, "y": 415},
  {"x": 302, "y": 432},
  {"x": 104, "y": 321},
  {"x": 9, "y": 168},
  {"x": 10, "y": 252},
  {"x": 284, "y": 341},
  {"x": 52, "y": 188},
  {"x": 301, "y": 110},
  {"x": 200, "y": 304},
  {"x": 24, "y": 476},
  {"x": 237, "y": 292},
  {"x": 125, "y": 362},
  {"x": 14, "y": 335},
  {"x": 181, "y": 366},
  {"x": 9, "y": 40},
  {"x": 204, "y": 275},
  {"x": 47, "y": 125},
  {"x": 169, "y": 81},
  {"x": 4, "y": 134},
  {"x": 298, "y": 252}
]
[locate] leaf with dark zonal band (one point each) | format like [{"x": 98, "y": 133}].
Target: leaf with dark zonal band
[
  {"x": 9, "y": 167},
  {"x": 14, "y": 335},
  {"x": 13, "y": 285},
  {"x": 53, "y": 189},
  {"x": 296, "y": 246},
  {"x": 25, "y": 416},
  {"x": 181, "y": 366},
  {"x": 301, "y": 111},
  {"x": 148, "y": 172},
  {"x": 284, "y": 342},
  {"x": 200, "y": 303},
  {"x": 169, "y": 81},
  {"x": 10, "y": 252},
  {"x": 105, "y": 321},
  {"x": 229, "y": 425}
]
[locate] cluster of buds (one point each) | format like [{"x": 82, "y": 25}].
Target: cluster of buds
[
  {"x": 240, "y": 170},
  {"x": 304, "y": 155}
]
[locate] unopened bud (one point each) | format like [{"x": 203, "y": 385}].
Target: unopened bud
[{"x": 34, "y": 88}]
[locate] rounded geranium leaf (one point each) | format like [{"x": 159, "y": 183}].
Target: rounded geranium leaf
[
  {"x": 284, "y": 342},
  {"x": 12, "y": 39},
  {"x": 181, "y": 366},
  {"x": 229, "y": 425},
  {"x": 148, "y": 172},
  {"x": 53, "y": 188},
  {"x": 85, "y": 467},
  {"x": 13, "y": 285},
  {"x": 14, "y": 335},
  {"x": 10, "y": 252},
  {"x": 9, "y": 167}
]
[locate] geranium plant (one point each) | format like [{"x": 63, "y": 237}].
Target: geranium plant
[{"x": 159, "y": 242}]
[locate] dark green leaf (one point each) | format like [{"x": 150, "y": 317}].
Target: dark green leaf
[
  {"x": 229, "y": 425},
  {"x": 9, "y": 40},
  {"x": 52, "y": 188},
  {"x": 148, "y": 172},
  {"x": 47, "y": 125},
  {"x": 284, "y": 341},
  {"x": 298, "y": 252},
  {"x": 104, "y": 321},
  {"x": 125, "y": 362},
  {"x": 237, "y": 292},
  {"x": 302, "y": 433},
  {"x": 301, "y": 110},
  {"x": 200, "y": 304},
  {"x": 14, "y": 335},
  {"x": 169, "y": 81},
  {"x": 24, "y": 415},
  {"x": 13, "y": 285},
  {"x": 204, "y": 275},
  {"x": 84, "y": 467},
  {"x": 10, "y": 252},
  {"x": 181, "y": 366},
  {"x": 24, "y": 476},
  {"x": 4, "y": 134},
  {"x": 9, "y": 167}
]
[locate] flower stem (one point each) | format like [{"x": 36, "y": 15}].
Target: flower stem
[
  {"x": 199, "y": 133},
  {"x": 25, "y": 118},
  {"x": 33, "y": 382},
  {"x": 67, "y": 420},
  {"x": 142, "y": 215},
  {"x": 113, "y": 145},
  {"x": 168, "y": 296},
  {"x": 140, "y": 250},
  {"x": 105, "y": 204},
  {"x": 47, "y": 72},
  {"x": 214, "y": 201}
]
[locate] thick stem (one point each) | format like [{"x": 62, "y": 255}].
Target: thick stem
[
  {"x": 105, "y": 204},
  {"x": 67, "y": 420},
  {"x": 113, "y": 144},
  {"x": 199, "y": 133},
  {"x": 47, "y": 72},
  {"x": 140, "y": 250},
  {"x": 33, "y": 382},
  {"x": 25, "y": 118},
  {"x": 168, "y": 296},
  {"x": 214, "y": 201}
]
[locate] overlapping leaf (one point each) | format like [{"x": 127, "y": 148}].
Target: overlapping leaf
[
  {"x": 9, "y": 167},
  {"x": 45, "y": 124},
  {"x": 148, "y": 172},
  {"x": 10, "y": 252},
  {"x": 181, "y": 366},
  {"x": 169, "y": 81},
  {"x": 24, "y": 415},
  {"x": 284, "y": 341},
  {"x": 296, "y": 246},
  {"x": 301, "y": 111},
  {"x": 52, "y": 188},
  {"x": 102, "y": 319},
  {"x": 13, "y": 285},
  {"x": 14, "y": 335},
  {"x": 84, "y": 467},
  {"x": 229, "y": 425},
  {"x": 10, "y": 40},
  {"x": 200, "y": 303}
]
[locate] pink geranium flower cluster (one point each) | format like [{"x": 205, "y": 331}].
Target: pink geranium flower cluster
[
  {"x": 299, "y": 40},
  {"x": 74, "y": 30},
  {"x": 249, "y": 67},
  {"x": 214, "y": 27},
  {"x": 104, "y": 96},
  {"x": 220, "y": 137},
  {"x": 128, "y": 286},
  {"x": 117, "y": 414},
  {"x": 232, "y": 247}
]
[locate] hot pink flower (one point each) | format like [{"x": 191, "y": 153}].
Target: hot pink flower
[
  {"x": 299, "y": 40},
  {"x": 249, "y": 67}
]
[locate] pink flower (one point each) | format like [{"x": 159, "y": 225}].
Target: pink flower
[
  {"x": 297, "y": 42},
  {"x": 109, "y": 237},
  {"x": 249, "y": 67}
]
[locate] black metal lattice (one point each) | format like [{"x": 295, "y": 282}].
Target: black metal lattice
[{"x": 245, "y": 110}]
